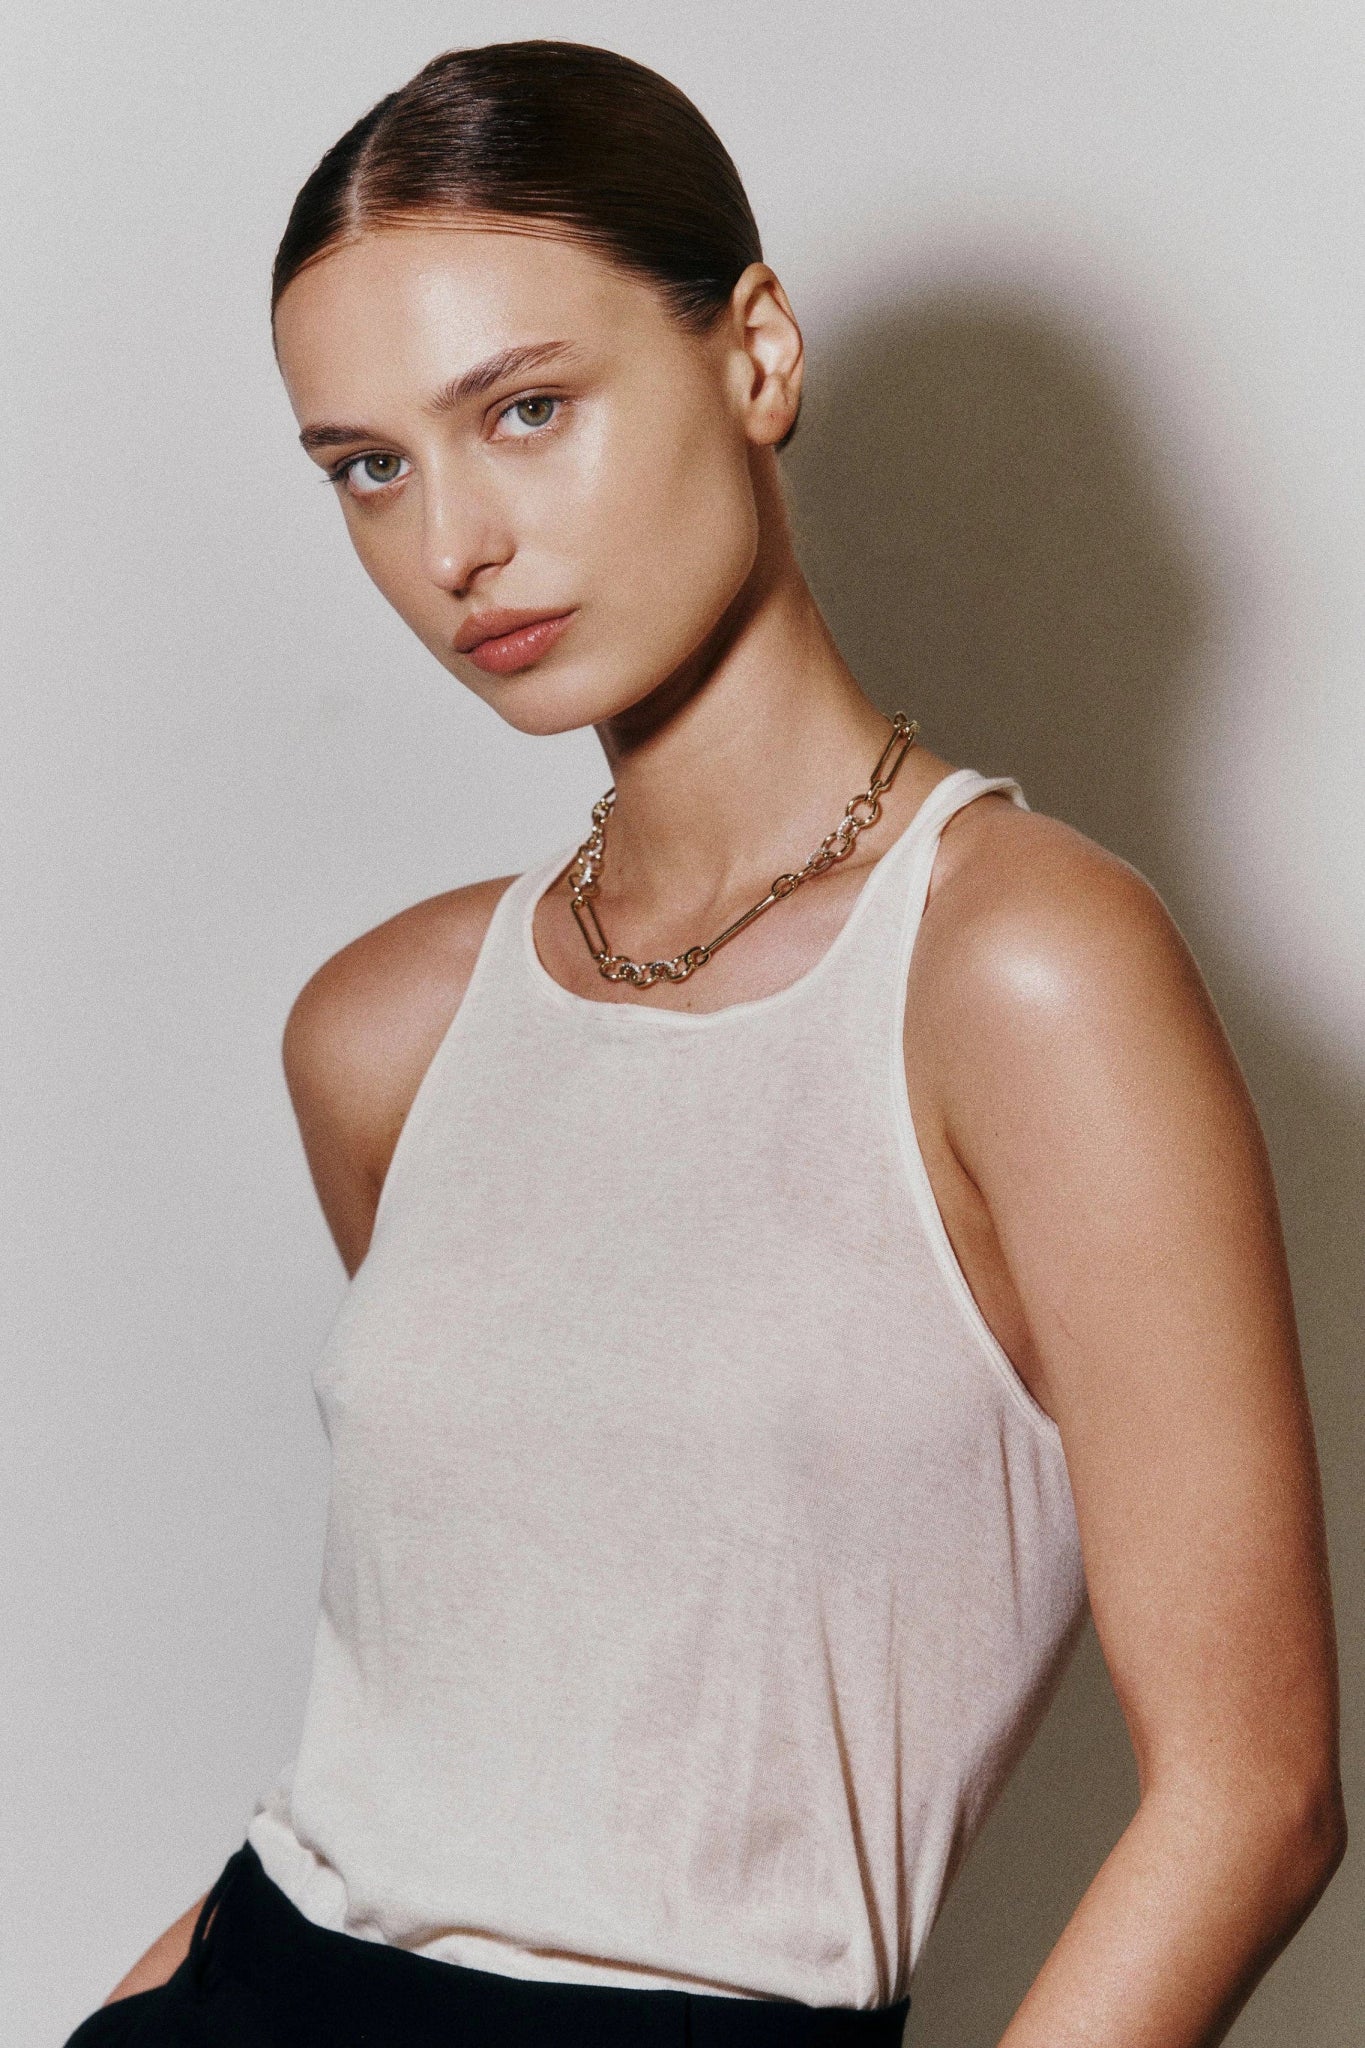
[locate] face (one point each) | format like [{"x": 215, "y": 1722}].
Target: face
[{"x": 549, "y": 479}]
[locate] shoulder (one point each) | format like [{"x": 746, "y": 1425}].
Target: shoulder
[
  {"x": 1046, "y": 961},
  {"x": 1052, "y": 990},
  {"x": 405, "y": 976},
  {"x": 362, "y": 1030},
  {"x": 1027, "y": 919}
]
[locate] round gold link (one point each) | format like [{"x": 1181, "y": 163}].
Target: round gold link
[{"x": 585, "y": 869}]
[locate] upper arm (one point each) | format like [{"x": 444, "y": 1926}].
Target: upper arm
[
  {"x": 360, "y": 1036},
  {"x": 1090, "y": 1093}
]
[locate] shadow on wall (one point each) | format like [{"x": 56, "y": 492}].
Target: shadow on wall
[{"x": 991, "y": 544}]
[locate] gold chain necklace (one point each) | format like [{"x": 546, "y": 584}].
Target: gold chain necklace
[{"x": 860, "y": 811}]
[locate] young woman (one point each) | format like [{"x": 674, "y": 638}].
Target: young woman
[{"x": 779, "y": 1306}]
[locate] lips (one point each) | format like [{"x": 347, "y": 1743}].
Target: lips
[{"x": 501, "y": 642}]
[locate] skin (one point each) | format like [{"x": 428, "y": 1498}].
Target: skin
[{"x": 1088, "y": 1134}]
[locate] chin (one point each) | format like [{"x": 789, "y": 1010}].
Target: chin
[{"x": 549, "y": 698}]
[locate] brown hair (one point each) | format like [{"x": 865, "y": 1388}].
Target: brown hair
[{"x": 589, "y": 143}]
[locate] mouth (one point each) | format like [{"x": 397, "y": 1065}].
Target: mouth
[{"x": 502, "y": 642}]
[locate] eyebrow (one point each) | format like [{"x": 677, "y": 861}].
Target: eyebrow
[{"x": 473, "y": 383}]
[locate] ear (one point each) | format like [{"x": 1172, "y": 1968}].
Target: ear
[{"x": 768, "y": 358}]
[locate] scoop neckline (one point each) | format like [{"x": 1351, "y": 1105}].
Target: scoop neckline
[{"x": 538, "y": 879}]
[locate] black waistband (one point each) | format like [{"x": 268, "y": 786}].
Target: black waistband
[{"x": 314, "y": 1985}]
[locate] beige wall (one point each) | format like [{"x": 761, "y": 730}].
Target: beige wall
[{"x": 1080, "y": 483}]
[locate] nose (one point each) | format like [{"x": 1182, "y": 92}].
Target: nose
[{"x": 464, "y": 533}]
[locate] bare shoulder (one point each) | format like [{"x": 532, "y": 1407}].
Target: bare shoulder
[
  {"x": 1061, "y": 1037},
  {"x": 387, "y": 994},
  {"x": 1084, "y": 1112},
  {"x": 361, "y": 1034},
  {"x": 1032, "y": 930}
]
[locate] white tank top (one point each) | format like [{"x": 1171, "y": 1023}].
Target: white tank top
[{"x": 697, "y": 1565}]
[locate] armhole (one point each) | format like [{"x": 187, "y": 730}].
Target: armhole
[
  {"x": 917, "y": 1173},
  {"x": 418, "y": 1108}
]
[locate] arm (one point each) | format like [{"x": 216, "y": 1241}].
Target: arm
[
  {"x": 1090, "y": 1098},
  {"x": 161, "y": 1960}
]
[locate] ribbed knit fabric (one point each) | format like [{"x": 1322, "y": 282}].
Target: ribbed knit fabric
[{"x": 697, "y": 1564}]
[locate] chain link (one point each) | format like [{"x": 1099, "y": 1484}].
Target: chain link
[{"x": 860, "y": 811}]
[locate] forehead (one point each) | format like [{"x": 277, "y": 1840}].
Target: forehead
[{"x": 403, "y": 308}]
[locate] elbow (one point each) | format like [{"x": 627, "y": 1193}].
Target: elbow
[
  {"x": 1277, "y": 1838},
  {"x": 1314, "y": 1837},
  {"x": 1301, "y": 1831}
]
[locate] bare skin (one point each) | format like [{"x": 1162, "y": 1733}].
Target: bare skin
[
  {"x": 161, "y": 1960},
  {"x": 1087, "y": 1132}
]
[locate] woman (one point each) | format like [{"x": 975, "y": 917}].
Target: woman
[{"x": 778, "y": 1307}]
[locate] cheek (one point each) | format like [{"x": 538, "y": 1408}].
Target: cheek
[
  {"x": 679, "y": 532},
  {"x": 389, "y": 548}
]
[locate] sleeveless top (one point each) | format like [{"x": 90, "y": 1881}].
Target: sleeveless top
[{"x": 697, "y": 1565}]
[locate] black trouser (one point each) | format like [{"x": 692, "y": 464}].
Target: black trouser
[{"x": 260, "y": 1975}]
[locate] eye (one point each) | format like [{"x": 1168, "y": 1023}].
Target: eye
[
  {"x": 364, "y": 476},
  {"x": 527, "y": 416}
]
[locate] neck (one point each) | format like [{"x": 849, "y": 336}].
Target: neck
[{"x": 725, "y": 772}]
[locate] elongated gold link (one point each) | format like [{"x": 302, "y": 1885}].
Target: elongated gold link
[{"x": 860, "y": 811}]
